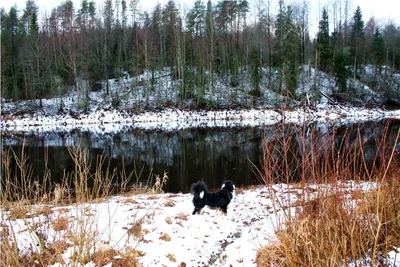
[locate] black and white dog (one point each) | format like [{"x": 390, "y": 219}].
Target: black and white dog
[{"x": 219, "y": 199}]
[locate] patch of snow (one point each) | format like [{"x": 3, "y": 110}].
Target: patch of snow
[
  {"x": 394, "y": 256},
  {"x": 206, "y": 239}
]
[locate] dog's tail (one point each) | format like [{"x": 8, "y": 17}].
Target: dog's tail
[{"x": 199, "y": 189}]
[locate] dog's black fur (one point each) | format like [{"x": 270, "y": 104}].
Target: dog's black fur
[{"x": 219, "y": 199}]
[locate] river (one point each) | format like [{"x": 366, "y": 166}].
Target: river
[{"x": 209, "y": 154}]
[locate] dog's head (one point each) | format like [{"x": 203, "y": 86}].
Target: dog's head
[{"x": 228, "y": 185}]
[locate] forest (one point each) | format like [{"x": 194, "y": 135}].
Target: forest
[{"x": 46, "y": 55}]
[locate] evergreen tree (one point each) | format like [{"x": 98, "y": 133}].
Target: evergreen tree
[
  {"x": 210, "y": 41},
  {"x": 158, "y": 35},
  {"x": 243, "y": 9},
  {"x": 378, "y": 51},
  {"x": 279, "y": 36},
  {"x": 82, "y": 22},
  {"x": 357, "y": 40},
  {"x": 339, "y": 70},
  {"x": 10, "y": 46},
  {"x": 30, "y": 18},
  {"x": 171, "y": 22},
  {"x": 33, "y": 23},
  {"x": 197, "y": 49},
  {"x": 287, "y": 49},
  {"x": 324, "y": 46},
  {"x": 195, "y": 19},
  {"x": 31, "y": 53},
  {"x": 107, "y": 47},
  {"x": 378, "y": 48},
  {"x": 292, "y": 54},
  {"x": 255, "y": 64}
]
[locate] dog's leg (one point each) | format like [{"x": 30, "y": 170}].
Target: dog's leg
[
  {"x": 224, "y": 210},
  {"x": 196, "y": 210}
]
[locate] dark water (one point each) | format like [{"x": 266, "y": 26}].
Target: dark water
[{"x": 211, "y": 155}]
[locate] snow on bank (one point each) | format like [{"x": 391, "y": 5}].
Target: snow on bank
[
  {"x": 169, "y": 235},
  {"x": 107, "y": 111},
  {"x": 176, "y": 119}
]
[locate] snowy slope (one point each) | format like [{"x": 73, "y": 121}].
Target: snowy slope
[{"x": 131, "y": 104}]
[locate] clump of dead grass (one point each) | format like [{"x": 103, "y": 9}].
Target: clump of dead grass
[
  {"x": 159, "y": 184},
  {"x": 168, "y": 220},
  {"x": 106, "y": 256},
  {"x": 60, "y": 223},
  {"x": 137, "y": 229},
  {"x": 335, "y": 227},
  {"x": 169, "y": 203},
  {"x": 48, "y": 256},
  {"x": 165, "y": 237},
  {"x": 182, "y": 216},
  {"x": 171, "y": 257},
  {"x": 18, "y": 211}
]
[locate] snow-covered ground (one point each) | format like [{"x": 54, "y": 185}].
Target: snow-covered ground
[
  {"x": 131, "y": 103},
  {"x": 168, "y": 234}
]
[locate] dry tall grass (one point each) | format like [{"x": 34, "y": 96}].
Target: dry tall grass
[
  {"x": 32, "y": 200},
  {"x": 329, "y": 226}
]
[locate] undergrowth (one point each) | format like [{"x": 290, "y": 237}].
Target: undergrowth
[{"x": 331, "y": 225}]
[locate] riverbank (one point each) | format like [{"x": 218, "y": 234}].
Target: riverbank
[
  {"x": 158, "y": 229},
  {"x": 126, "y": 102}
]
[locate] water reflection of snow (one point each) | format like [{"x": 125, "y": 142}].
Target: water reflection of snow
[{"x": 173, "y": 119}]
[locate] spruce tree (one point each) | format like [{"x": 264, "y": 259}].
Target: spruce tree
[
  {"x": 255, "y": 64},
  {"x": 11, "y": 78},
  {"x": 324, "y": 46},
  {"x": 210, "y": 40},
  {"x": 339, "y": 70},
  {"x": 378, "y": 48},
  {"x": 195, "y": 19},
  {"x": 357, "y": 39},
  {"x": 378, "y": 51},
  {"x": 287, "y": 48}
]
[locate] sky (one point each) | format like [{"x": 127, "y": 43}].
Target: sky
[{"x": 382, "y": 10}]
